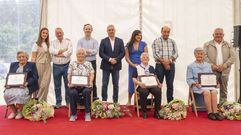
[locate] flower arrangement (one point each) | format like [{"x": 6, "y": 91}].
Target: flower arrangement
[
  {"x": 174, "y": 110},
  {"x": 103, "y": 109},
  {"x": 231, "y": 110},
  {"x": 35, "y": 110}
]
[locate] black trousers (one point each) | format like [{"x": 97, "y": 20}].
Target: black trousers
[
  {"x": 94, "y": 82},
  {"x": 144, "y": 92},
  {"x": 75, "y": 98}
]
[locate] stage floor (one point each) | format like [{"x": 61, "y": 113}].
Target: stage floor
[{"x": 126, "y": 125}]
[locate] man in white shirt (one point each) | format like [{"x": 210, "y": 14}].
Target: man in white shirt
[
  {"x": 221, "y": 55},
  {"x": 61, "y": 51},
  {"x": 111, "y": 51}
]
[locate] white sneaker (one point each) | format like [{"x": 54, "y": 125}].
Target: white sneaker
[
  {"x": 87, "y": 117},
  {"x": 19, "y": 116},
  {"x": 12, "y": 115},
  {"x": 73, "y": 118}
]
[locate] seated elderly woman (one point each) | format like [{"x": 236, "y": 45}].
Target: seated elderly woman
[
  {"x": 145, "y": 69},
  {"x": 209, "y": 93},
  {"x": 16, "y": 97},
  {"x": 80, "y": 68}
]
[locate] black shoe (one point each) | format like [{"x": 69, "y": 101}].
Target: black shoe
[
  {"x": 96, "y": 98},
  {"x": 157, "y": 115},
  {"x": 144, "y": 115},
  {"x": 212, "y": 116},
  {"x": 57, "y": 106},
  {"x": 218, "y": 117}
]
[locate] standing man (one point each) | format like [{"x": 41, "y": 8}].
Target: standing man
[
  {"x": 111, "y": 51},
  {"x": 221, "y": 55},
  {"x": 61, "y": 50},
  {"x": 91, "y": 47},
  {"x": 165, "y": 54}
]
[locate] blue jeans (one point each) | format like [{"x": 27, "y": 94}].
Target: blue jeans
[
  {"x": 115, "y": 81},
  {"x": 169, "y": 75},
  {"x": 60, "y": 71},
  {"x": 75, "y": 98}
]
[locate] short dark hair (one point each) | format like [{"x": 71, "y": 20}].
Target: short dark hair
[{"x": 87, "y": 25}]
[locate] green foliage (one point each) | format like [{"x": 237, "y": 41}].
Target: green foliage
[{"x": 19, "y": 27}]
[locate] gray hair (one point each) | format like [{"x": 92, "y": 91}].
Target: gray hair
[
  {"x": 23, "y": 52},
  {"x": 81, "y": 49},
  {"x": 198, "y": 49},
  {"x": 144, "y": 54},
  {"x": 218, "y": 29}
]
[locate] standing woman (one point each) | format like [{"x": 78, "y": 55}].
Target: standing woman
[
  {"x": 41, "y": 56},
  {"x": 133, "y": 50}
]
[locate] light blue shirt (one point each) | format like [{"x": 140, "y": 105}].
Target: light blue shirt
[
  {"x": 192, "y": 75},
  {"x": 91, "y": 47}
]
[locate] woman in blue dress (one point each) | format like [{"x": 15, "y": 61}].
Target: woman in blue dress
[
  {"x": 133, "y": 50},
  {"x": 209, "y": 93}
]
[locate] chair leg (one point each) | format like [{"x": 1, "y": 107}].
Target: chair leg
[
  {"x": 137, "y": 105},
  {"x": 152, "y": 103},
  {"x": 91, "y": 101},
  {"x": 69, "y": 111},
  {"x": 6, "y": 112},
  {"x": 194, "y": 103}
]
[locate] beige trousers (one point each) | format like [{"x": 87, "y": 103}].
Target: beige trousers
[{"x": 44, "y": 73}]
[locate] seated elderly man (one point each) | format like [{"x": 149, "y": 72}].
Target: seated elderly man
[
  {"x": 145, "y": 69},
  {"x": 80, "y": 67},
  {"x": 209, "y": 93},
  {"x": 16, "y": 97}
]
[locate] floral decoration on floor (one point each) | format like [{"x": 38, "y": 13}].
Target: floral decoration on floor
[
  {"x": 231, "y": 110},
  {"x": 174, "y": 110},
  {"x": 104, "y": 110},
  {"x": 35, "y": 110}
]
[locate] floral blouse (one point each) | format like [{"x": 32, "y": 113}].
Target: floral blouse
[{"x": 80, "y": 69}]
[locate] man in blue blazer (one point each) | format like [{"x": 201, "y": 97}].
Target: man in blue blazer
[{"x": 111, "y": 51}]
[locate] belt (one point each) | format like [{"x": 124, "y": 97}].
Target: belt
[{"x": 62, "y": 64}]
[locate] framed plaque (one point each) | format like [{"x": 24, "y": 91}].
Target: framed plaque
[
  {"x": 78, "y": 80},
  {"x": 149, "y": 80},
  {"x": 16, "y": 79},
  {"x": 207, "y": 79}
]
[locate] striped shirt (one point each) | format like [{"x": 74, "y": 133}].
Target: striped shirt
[{"x": 164, "y": 49}]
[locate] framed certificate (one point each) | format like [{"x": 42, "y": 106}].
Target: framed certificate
[
  {"x": 78, "y": 80},
  {"x": 149, "y": 80},
  {"x": 16, "y": 79},
  {"x": 207, "y": 79}
]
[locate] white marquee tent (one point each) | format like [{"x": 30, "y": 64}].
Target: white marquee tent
[{"x": 192, "y": 23}]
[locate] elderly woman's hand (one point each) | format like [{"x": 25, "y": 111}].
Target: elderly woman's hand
[
  {"x": 70, "y": 85},
  {"x": 24, "y": 86},
  {"x": 142, "y": 85},
  {"x": 196, "y": 84},
  {"x": 7, "y": 87},
  {"x": 90, "y": 85}
]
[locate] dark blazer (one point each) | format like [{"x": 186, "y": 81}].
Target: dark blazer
[
  {"x": 32, "y": 74},
  {"x": 151, "y": 70},
  {"x": 105, "y": 52}
]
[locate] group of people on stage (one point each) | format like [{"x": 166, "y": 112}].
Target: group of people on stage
[{"x": 218, "y": 55}]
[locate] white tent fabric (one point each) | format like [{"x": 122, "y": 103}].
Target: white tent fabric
[{"x": 192, "y": 23}]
